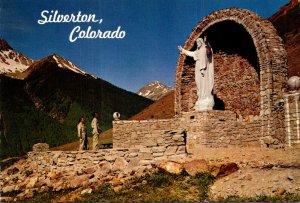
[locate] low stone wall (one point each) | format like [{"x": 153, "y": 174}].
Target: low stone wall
[
  {"x": 105, "y": 160},
  {"x": 155, "y": 138},
  {"x": 194, "y": 130},
  {"x": 214, "y": 129}
]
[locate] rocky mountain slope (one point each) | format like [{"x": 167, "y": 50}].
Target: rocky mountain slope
[
  {"x": 12, "y": 62},
  {"x": 287, "y": 23},
  {"x": 46, "y": 105},
  {"x": 163, "y": 108},
  {"x": 154, "y": 90}
]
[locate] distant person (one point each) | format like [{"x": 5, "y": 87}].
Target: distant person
[
  {"x": 81, "y": 129},
  {"x": 96, "y": 130}
]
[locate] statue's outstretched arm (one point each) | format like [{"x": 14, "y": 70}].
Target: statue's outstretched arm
[{"x": 186, "y": 52}]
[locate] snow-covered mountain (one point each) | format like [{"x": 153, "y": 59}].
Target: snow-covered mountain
[
  {"x": 17, "y": 65},
  {"x": 155, "y": 90},
  {"x": 11, "y": 61}
]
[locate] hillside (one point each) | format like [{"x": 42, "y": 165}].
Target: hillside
[
  {"x": 287, "y": 23},
  {"x": 161, "y": 109},
  {"x": 46, "y": 105},
  {"x": 21, "y": 124},
  {"x": 59, "y": 89}
]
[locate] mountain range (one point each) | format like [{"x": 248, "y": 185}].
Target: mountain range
[{"x": 41, "y": 101}]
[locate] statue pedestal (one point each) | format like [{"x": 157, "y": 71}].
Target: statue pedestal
[{"x": 204, "y": 104}]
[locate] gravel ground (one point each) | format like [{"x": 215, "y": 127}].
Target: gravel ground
[{"x": 262, "y": 171}]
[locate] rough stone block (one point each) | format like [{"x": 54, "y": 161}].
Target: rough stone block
[
  {"x": 177, "y": 157},
  {"x": 171, "y": 150},
  {"x": 133, "y": 155},
  {"x": 160, "y": 140},
  {"x": 145, "y": 149},
  {"x": 181, "y": 149},
  {"x": 146, "y": 162},
  {"x": 133, "y": 162},
  {"x": 158, "y": 149},
  {"x": 158, "y": 154},
  {"x": 146, "y": 155},
  {"x": 150, "y": 143},
  {"x": 110, "y": 158},
  {"x": 120, "y": 164},
  {"x": 177, "y": 137}
]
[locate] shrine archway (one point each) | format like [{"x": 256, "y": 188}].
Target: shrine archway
[{"x": 251, "y": 48}]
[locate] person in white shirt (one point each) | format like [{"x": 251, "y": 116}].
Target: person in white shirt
[
  {"x": 96, "y": 131},
  {"x": 82, "y": 134}
]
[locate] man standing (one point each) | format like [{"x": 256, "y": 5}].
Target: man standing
[
  {"x": 81, "y": 130},
  {"x": 96, "y": 131}
]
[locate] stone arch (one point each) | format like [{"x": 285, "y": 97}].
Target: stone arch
[{"x": 271, "y": 64}]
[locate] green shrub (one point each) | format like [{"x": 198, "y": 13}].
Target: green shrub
[{"x": 203, "y": 181}]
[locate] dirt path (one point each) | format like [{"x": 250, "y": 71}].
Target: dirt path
[
  {"x": 252, "y": 181},
  {"x": 262, "y": 170}
]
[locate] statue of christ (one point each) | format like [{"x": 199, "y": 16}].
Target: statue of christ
[{"x": 204, "y": 73}]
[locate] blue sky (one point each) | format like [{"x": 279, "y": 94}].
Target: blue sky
[{"x": 154, "y": 29}]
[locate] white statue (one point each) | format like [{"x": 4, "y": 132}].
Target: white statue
[{"x": 204, "y": 74}]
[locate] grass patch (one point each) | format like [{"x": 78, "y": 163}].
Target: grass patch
[
  {"x": 203, "y": 181},
  {"x": 158, "y": 187},
  {"x": 10, "y": 194},
  {"x": 48, "y": 196}
]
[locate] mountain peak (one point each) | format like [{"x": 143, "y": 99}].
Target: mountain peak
[
  {"x": 154, "y": 90},
  {"x": 156, "y": 82},
  {"x": 4, "y": 46},
  {"x": 12, "y": 63},
  {"x": 65, "y": 64}
]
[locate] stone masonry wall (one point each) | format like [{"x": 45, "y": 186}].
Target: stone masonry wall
[
  {"x": 156, "y": 139},
  {"x": 106, "y": 160},
  {"x": 194, "y": 130},
  {"x": 236, "y": 85},
  {"x": 214, "y": 129}
]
